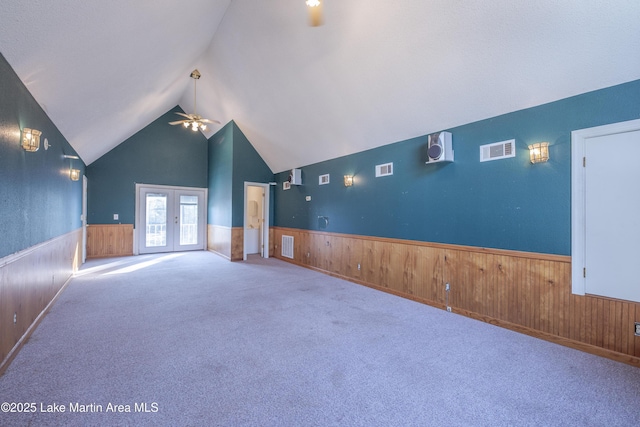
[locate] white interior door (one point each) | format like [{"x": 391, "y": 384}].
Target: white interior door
[
  {"x": 256, "y": 219},
  {"x": 170, "y": 219},
  {"x": 612, "y": 215}
]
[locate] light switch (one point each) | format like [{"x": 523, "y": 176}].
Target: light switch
[{"x": 116, "y": 217}]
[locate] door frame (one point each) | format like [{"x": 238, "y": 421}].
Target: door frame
[
  {"x": 83, "y": 217},
  {"x": 138, "y": 211},
  {"x": 579, "y": 139},
  {"x": 266, "y": 187}
]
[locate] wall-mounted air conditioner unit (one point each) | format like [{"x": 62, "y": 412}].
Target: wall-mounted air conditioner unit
[
  {"x": 295, "y": 177},
  {"x": 439, "y": 148}
]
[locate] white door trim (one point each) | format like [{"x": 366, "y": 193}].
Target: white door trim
[
  {"x": 83, "y": 218},
  {"x": 579, "y": 139},
  {"x": 265, "y": 229}
]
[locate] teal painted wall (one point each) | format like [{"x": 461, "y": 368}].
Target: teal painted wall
[
  {"x": 247, "y": 166},
  {"x": 220, "y": 176},
  {"x": 159, "y": 154},
  {"x": 506, "y": 204},
  {"x": 232, "y": 161},
  {"x": 38, "y": 201}
]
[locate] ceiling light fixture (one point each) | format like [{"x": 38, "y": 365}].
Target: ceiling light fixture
[
  {"x": 194, "y": 121},
  {"x": 315, "y": 12}
]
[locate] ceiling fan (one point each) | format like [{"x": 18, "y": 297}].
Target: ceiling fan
[
  {"x": 194, "y": 120},
  {"x": 315, "y": 12}
]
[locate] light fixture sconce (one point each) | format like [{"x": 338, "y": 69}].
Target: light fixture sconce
[
  {"x": 74, "y": 174},
  {"x": 348, "y": 180},
  {"x": 31, "y": 139},
  {"x": 539, "y": 152}
]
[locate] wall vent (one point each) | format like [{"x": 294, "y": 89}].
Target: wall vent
[
  {"x": 287, "y": 246},
  {"x": 323, "y": 179},
  {"x": 384, "y": 170},
  {"x": 498, "y": 150}
]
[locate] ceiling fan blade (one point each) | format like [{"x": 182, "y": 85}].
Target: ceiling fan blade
[
  {"x": 178, "y": 122},
  {"x": 209, "y": 121},
  {"x": 188, "y": 116}
]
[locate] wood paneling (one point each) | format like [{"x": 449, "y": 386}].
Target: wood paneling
[
  {"x": 226, "y": 241},
  {"x": 526, "y": 292},
  {"x": 219, "y": 240},
  {"x": 107, "y": 240},
  {"x": 237, "y": 243},
  {"x": 29, "y": 282},
  {"x": 229, "y": 241}
]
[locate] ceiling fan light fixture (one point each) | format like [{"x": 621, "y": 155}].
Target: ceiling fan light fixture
[
  {"x": 194, "y": 120},
  {"x": 315, "y": 12}
]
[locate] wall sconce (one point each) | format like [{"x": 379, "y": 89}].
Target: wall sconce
[
  {"x": 539, "y": 152},
  {"x": 74, "y": 174},
  {"x": 31, "y": 139},
  {"x": 348, "y": 180}
]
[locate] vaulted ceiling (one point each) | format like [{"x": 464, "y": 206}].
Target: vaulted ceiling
[{"x": 375, "y": 73}]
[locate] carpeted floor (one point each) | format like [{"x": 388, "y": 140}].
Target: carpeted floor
[{"x": 191, "y": 339}]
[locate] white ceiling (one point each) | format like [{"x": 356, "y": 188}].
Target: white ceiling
[{"x": 373, "y": 74}]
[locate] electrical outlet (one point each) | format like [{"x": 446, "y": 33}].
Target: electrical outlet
[
  {"x": 116, "y": 217},
  {"x": 15, "y": 318},
  {"x": 637, "y": 329},
  {"x": 446, "y": 287},
  {"x": 358, "y": 266},
  {"x": 449, "y": 309}
]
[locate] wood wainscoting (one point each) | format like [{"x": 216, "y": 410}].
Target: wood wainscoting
[
  {"x": 225, "y": 241},
  {"x": 109, "y": 240},
  {"x": 30, "y": 281},
  {"x": 526, "y": 292},
  {"x": 229, "y": 241}
]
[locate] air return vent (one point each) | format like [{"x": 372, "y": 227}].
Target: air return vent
[
  {"x": 498, "y": 150},
  {"x": 384, "y": 170},
  {"x": 287, "y": 246}
]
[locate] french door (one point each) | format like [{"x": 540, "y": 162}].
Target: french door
[{"x": 170, "y": 219}]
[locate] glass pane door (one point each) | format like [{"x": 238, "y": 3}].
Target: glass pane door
[
  {"x": 190, "y": 219},
  {"x": 170, "y": 219}
]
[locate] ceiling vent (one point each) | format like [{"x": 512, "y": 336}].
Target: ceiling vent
[
  {"x": 498, "y": 150},
  {"x": 439, "y": 148}
]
